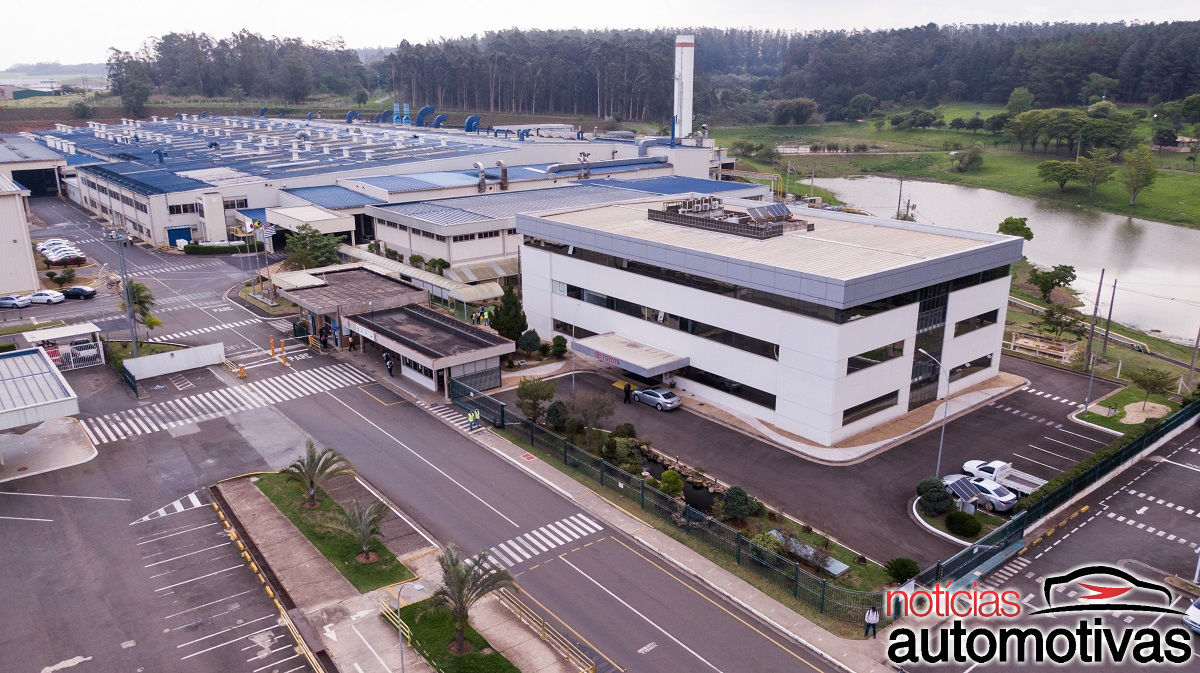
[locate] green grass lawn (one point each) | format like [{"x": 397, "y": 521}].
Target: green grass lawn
[
  {"x": 990, "y": 522},
  {"x": 124, "y": 349},
  {"x": 433, "y": 632},
  {"x": 321, "y": 526},
  {"x": 14, "y": 329},
  {"x": 1127, "y": 395}
]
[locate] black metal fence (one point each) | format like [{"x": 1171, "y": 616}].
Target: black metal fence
[
  {"x": 831, "y": 599},
  {"x": 492, "y": 409},
  {"x": 968, "y": 559}
]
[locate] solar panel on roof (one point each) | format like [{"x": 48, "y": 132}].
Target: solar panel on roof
[
  {"x": 964, "y": 489},
  {"x": 778, "y": 210},
  {"x": 758, "y": 213}
]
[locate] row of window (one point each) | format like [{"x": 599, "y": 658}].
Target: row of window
[
  {"x": 417, "y": 367},
  {"x": 874, "y": 356},
  {"x": 116, "y": 195},
  {"x": 861, "y": 411},
  {"x": 457, "y": 239},
  {"x": 770, "y": 299},
  {"x": 967, "y": 368},
  {"x": 463, "y": 237},
  {"x": 235, "y": 204},
  {"x": 720, "y": 335},
  {"x": 182, "y": 208}
]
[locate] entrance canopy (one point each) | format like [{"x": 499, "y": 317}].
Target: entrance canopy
[
  {"x": 630, "y": 355},
  {"x": 63, "y": 333},
  {"x": 323, "y": 220}
]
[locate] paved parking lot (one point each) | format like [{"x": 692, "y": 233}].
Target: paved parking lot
[
  {"x": 213, "y": 610},
  {"x": 1028, "y": 427}
]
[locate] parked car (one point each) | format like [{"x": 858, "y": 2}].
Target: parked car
[
  {"x": 50, "y": 242},
  {"x": 68, "y": 258},
  {"x": 46, "y": 297},
  {"x": 85, "y": 348},
  {"x": 1191, "y": 616},
  {"x": 79, "y": 292},
  {"x": 53, "y": 247},
  {"x": 1004, "y": 473},
  {"x": 992, "y": 496},
  {"x": 14, "y": 301},
  {"x": 659, "y": 398}
]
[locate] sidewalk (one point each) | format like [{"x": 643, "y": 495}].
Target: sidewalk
[
  {"x": 50, "y": 445},
  {"x": 347, "y": 624}
]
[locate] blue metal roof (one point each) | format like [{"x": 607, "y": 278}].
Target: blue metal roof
[
  {"x": 259, "y": 214},
  {"x": 82, "y": 160},
  {"x": 142, "y": 179},
  {"x": 398, "y": 183},
  {"x": 498, "y": 205},
  {"x": 333, "y": 197},
  {"x": 416, "y": 182},
  {"x": 674, "y": 184}
]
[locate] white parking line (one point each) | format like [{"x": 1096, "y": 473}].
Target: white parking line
[
  {"x": 188, "y": 530},
  {"x": 198, "y": 551},
  {"x": 197, "y": 579},
  {"x": 209, "y": 603},
  {"x": 1038, "y": 462},
  {"x": 217, "y": 633},
  {"x": 1056, "y": 455},
  {"x": 193, "y": 654},
  {"x": 1057, "y": 441},
  {"x": 1082, "y": 436},
  {"x": 23, "y": 518},
  {"x": 55, "y": 495}
]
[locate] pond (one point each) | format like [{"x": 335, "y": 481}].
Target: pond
[
  {"x": 699, "y": 498},
  {"x": 1155, "y": 264}
]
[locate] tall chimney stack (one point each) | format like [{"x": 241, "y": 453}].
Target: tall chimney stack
[{"x": 685, "y": 48}]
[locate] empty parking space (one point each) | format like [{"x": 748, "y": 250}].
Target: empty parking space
[{"x": 214, "y": 613}]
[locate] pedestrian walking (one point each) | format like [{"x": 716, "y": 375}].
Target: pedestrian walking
[
  {"x": 388, "y": 363},
  {"x": 353, "y": 342},
  {"x": 474, "y": 419},
  {"x": 628, "y": 394},
  {"x": 872, "y": 618}
]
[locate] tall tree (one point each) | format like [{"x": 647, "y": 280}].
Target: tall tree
[
  {"x": 508, "y": 319},
  {"x": 308, "y": 248},
  {"x": 1059, "y": 172},
  {"x": 1045, "y": 281},
  {"x": 532, "y": 395},
  {"x": 312, "y": 469},
  {"x": 1016, "y": 226},
  {"x": 140, "y": 297},
  {"x": 363, "y": 524},
  {"x": 1152, "y": 381},
  {"x": 1096, "y": 169},
  {"x": 1139, "y": 172},
  {"x": 464, "y": 583},
  {"x": 1020, "y": 100}
]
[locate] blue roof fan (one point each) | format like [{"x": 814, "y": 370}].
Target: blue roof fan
[
  {"x": 439, "y": 120},
  {"x": 204, "y": 115},
  {"x": 160, "y": 153},
  {"x": 472, "y": 124},
  {"x": 396, "y": 118},
  {"x": 427, "y": 110},
  {"x": 262, "y": 112},
  {"x": 407, "y": 121}
]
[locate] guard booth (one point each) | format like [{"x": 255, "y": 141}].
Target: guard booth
[{"x": 69, "y": 346}]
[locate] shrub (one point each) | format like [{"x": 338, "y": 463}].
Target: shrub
[
  {"x": 571, "y": 427},
  {"x": 417, "y": 261},
  {"x": 544, "y": 349},
  {"x": 197, "y": 249},
  {"x": 558, "y": 346},
  {"x": 672, "y": 483},
  {"x": 529, "y": 341},
  {"x": 556, "y": 414},
  {"x": 935, "y": 497},
  {"x": 961, "y": 523},
  {"x": 373, "y": 247},
  {"x": 930, "y": 485},
  {"x": 625, "y": 430},
  {"x": 901, "y": 569},
  {"x": 768, "y": 542},
  {"x": 739, "y": 504}
]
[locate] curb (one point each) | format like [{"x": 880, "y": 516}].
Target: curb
[{"x": 925, "y": 524}]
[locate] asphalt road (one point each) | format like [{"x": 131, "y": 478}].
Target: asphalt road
[
  {"x": 1028, "y": 428},
  {"x": 1145, "y": 521}
]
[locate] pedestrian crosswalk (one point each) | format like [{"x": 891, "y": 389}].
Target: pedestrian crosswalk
[
  {"x": 218, "y": 403},
  {"x": 170, "y": 268},
  {"x": 542, "y": 540},
  {"x": 1052, "y": 397},
  {"x": 203, "y": 330},
  {"x": 157, "y": 311},
  {"x": 452, "y": 414},
  {"x": 284, "y": 326},
  {"x": 1007, "y": 572},
  {"x": 189, "y": 501}
]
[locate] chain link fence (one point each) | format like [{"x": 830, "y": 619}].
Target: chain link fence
[{"x": 491, "y": 409}]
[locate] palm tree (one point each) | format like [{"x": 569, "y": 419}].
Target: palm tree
[
  {"x": 140, "y": 296},
  {"x": 363, "y": 524},
  {"x": 464, "y": 582},
  {"x": 315, "y": 468}
]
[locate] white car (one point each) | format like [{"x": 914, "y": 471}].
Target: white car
[
  {"x": 46, "y": 297},
  {"x": 42, "y": 245},
  {"x": 61, "y": 253},
  {"x": 14, "y": 301},
  {"x": 1191, "y": 616},
  {"x": 992, "y": 496}
]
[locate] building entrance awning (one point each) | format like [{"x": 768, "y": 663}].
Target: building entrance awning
[{"x": 630, "y": 355}]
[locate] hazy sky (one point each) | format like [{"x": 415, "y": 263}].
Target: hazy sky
[{"x": 73, "y": 31}]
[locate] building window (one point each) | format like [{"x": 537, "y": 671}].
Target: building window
[
  {"x": 181, "y": 209},
  {"x": 463, "y": 237},
  {"x": 761, "y": 297},
  {"x": 234, "y": 204},
  {"x": 861, "y": 411},
  {"x": 126, "y": 200},
  {"x": 874, "y": 356},
  {"x": 141, "y": 206},
  {"x": 968, "y": 368},
  {"x": 489, "y": 234},
  {"x": 971, "y": 324},
  {"x": 417, "y": 367},
  {"x": 720, "y": 335},
  {"x": 571, "y": 330},
  {"x": 729, "y": 386},
  {"x": 440, "y": 238},
  {"x": 427, "y": 234},
  {"x": 512, "y": 232}
]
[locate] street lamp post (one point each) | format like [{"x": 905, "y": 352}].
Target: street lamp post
[
  {"x": 122, "y": 241},
  {"x": 574, "y": 319},
  {"x": 937, "y": 470},
  {"x": 400, "y": 624}
]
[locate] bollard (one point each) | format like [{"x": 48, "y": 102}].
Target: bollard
[
  {"x": 283, "y": 352},
  {"x": 273, "y": 345},
  {"x": 241, "y": 372}
]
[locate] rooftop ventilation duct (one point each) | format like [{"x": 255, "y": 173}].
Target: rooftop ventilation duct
[
  {"x": 427, "y": 110},
  {"x": 439, "y": 120},
  {"x": 262, "y": 112},
  {"x": 471, "y": 125},
  {"x": 503, "y": 174},
  {"x": 482, "y": 177}
]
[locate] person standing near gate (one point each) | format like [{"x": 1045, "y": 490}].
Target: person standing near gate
[
  {"x": 628, "y": 393},
  {"x": 871, "y": 619},
  {"x": 388, "y": 363}
]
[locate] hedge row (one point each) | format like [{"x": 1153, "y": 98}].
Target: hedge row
[
  {"x": 197, "y": 249},
  {"x": 4, "y": 348}
]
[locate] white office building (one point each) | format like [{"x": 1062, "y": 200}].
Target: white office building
[{"x": 809, "y": 320}]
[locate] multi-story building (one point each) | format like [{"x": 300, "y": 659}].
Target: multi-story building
[
  {"x": 17, "y": 271},
  {"x": 824, "y": 324}
]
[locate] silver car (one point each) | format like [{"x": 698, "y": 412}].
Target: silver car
[
  {"x": 14, "y": 301},
  {"x": 659, "y": 398}
]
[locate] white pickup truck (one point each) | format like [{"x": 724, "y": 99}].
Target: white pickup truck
[{"x": 1003, "y": 473}]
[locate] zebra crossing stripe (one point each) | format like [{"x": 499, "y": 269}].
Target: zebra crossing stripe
[
  {"x": 588, "y": 523},
  {"x": 187, "y": 502},
  {"x": 530, "y": 540},
  {"x": 500, "y": 557},
  {"x": 575, "y": 527},
  {"x": 515, "y": 554},
  {"x": 544, "y": 538}
]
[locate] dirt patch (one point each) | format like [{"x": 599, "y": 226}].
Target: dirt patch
[{"x": 1134, "y": 413}]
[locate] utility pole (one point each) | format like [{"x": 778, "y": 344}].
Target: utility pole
[
  {"x": 1192, "y": 369},
  {"x": 121, "y": 243},
  {"x": 1087, "y": 359},
  {"x": 1108, "y": 323},
  {"x": 900, "y": 196},
  {"x": 787, "y": 183}
]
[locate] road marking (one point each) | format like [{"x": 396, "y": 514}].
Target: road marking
[
  {"x": 185, "y": 658},
  {"x": 424, "y": 460},
  {"x": 197, "y": 579},
  {"x": 1037, "y": 461},
  {"x": 1046, "y": 451},
  {"x": 364, "y": 641},
  {"x": 23, "y": 518},
  {"x": 217, "y": 633},
  {"x": 1186, "y": 467},
  {"x": 396, "y": 512},
  {"x": 1082, "y": 436},
  {"x": 639, "y": 614},
  {"x": 1056, "y": 441},
  {"x": 53, "y": 495},
  {"x": 198, "y": 551},
  {"x": 240, "y": 593}
]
